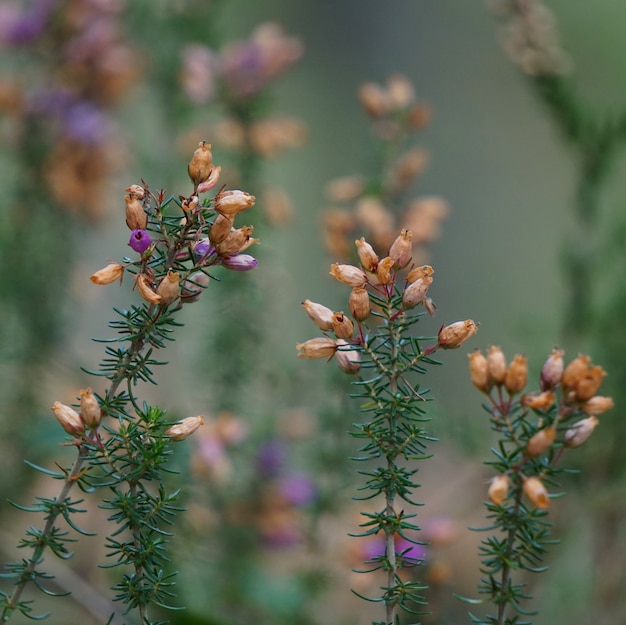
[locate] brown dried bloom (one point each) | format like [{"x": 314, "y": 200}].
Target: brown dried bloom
[
  {"x": 536, "y": 492},
  {"x": 90, "y": 408},
  {"x": 184, "y": 429},
  {"x": 541, "y": 441},
  {"x": 498, "y": 489},
  {"x": 321, "y": 315},
  {"x": 235, "y": 241},
  {"x": 580, "y": 432},
  {"x": 169, "y": 288},
  {"x": 597, "y": 405},
  {"x": 69, "y": 419},
  {"x": 455, "y": 334},
  {"x": 348, "y": 359},
  {"x": 516, "y": 375},
  {"x": 359, "y": 303},
  {"x": 136, "y": 218},
  {"x": 589, "y": 383},
  {"x": 367, "y": 256},
  {"x": 574, "y": 371},
  {"x": 321, "y": 347},
  {"x": 342, "y": 326},
  {"x": 415, "y": 292},
  {"x": 348, "y": 274},
  {"x": 232, "y": 202},
  {"x": 400, "y": 249},
  {"x": 552, "y": 370},
  {"x": 496, "y": 364},
  {"x": 201, "y": 163},
  {"x": 108, "y": 274},
  {"x": 146, "y": 291},
  {"x": 540, "y": 401},
  {"x": 479, "y": 372},
  {"x": 384, "y": 273}
]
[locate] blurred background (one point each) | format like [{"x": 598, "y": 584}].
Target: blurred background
[{"x": 97, "y": 95}]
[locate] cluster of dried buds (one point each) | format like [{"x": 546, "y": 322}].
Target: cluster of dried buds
[
  {"x": 377, "y": 205},
  {"x": 174, "y": 262},
  {"x": 376, "y": 280},
  {"x": 566, "y": 392}
]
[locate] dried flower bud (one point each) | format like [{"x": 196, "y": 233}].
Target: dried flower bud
[
  {"x": 574, "y": 371},
  {"x": 201, "y": 163},
  {"x": 516, "y": 375},
  {"x": 348, "y": 274},
  {"x": 211, "y": 181},
  {"x": 419, "y": 116},
  {"x": 400, "y": 91},
  {"x": 189, "y": 204},
  {"x": 184, "y": 429},
  {"x": 540, "y": 401},
  {"x": 136, "y": 218},
  {"x": 233, "y": 202},
  {"x": 359, "y": 303},
  {"x": 498, "y": 489},
  {"x": 425, "y": 271},
  {"x": 374, "y": 99},
  {"x": 235, "y": 241},
  {"x": 580, "y": 432},
  {"x": 541, "y": 441},
  {"x": 367, "y": 255},
  {"x": 69, "y": 419},
  {"x": 320, "y": 315},
  {"x": 401, "y": 249},
  {"x": 90, "y": 410},
  {"x": 146, "y": 291},
  {"x": 192, "y": 287},
  {"x": 496, "y": 365},
  {"x": 384, "y": 273},
  {"x": 139, "y": 241},
  {"x": 536, "y": 492},
  {"x": 221, "y": 228},
  {"x": 597, "y": 405},
  {"x": 348, "y": 358},
  {"x": 136, "y": 192},
  {"x": 552, "y": 370},
  {"x": 478, "y": 371},
  {"x": 240, "y": 262},
  {"x": 321, "y": 347},
  {"x": 455, "y": 334},
  {"x": 407, "y": 167},
  {"x": 169, "y": 288},
  {"x": 589, "y": 383},
  {"x": 108, "y": 274},
  {"x": 346, "y": 189},
  {"x": 415, "y": 292},
  {"x": 342, "y": 326}
]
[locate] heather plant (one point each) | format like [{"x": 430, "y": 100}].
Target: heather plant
[
  {"x": 377, "y": 342},
  {"x": 535, "y": 431},
  {"x": 123, "y": 445}
]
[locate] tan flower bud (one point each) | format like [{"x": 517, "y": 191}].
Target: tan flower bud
[
  {"x": 597, "y": 405},
  {"x": 69, "y": 419},
  {"x": 146, "y": 291},
  {"x": 496, "y": 365},
  {"x": 580, "y": 432},
  {"x": 169, "y": 288},
  {"x": 342, "y": 326},
  {"x": 211, "y": 181},
  {"x": 233, "y": 202},
  {"x": 320, "y": 315},
  {"x": 536, "y": 492},
  {"x": 136, "y": 218},
  {"x": 499, "y": 489},
  {"x": 589, "y": 383},
  {"x": 321, "y": 347},
  {"x": 425, "y": 271},
  {"x": 539, "y": 401},
  {"x": 552, "y": 370},
  {"x": 192, "y": 287},
  {"x": 374, "y": 99},
  {"x": 455, "y": 334},
  {"x": 189, "y": 204},
  {"x": 359, "y": 303},
  {"x": 384, "y": 273},
  {"x": 348, "y": 358},
  {"x": 415, "y": 292},
  {"x": 108, "y": 274},
  {"x": 184, "y": 429},
  {"x": 541, "y": 441},
  {"x": 407, "y": 167},
  {"x": 90, "y": 409},
  {"x": 348, "y": 274},
  {"x": 478, "y": 371},
  {"x": 574, "y": 371},
  {"x": 201, "y": 163},
  {"x": 136, "y": 192},
  {"x": 346, "y": 189},
  {"x": 235, "y": 241},
  {"x": 221, "y": 228},
  {"x": 367, "y": 255},
  {"x": 400, "y": 91},
  {"x": 516, "y": 375},
  {"x": 401, "y": 249}
]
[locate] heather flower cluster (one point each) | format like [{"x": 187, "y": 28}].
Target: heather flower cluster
[
  {"x": 378, "y": 204},
  {"x": 535, "y": 429},
  {"x": 176, "y": 251}
]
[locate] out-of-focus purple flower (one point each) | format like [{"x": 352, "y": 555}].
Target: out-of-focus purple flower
[
  {"x": 240, "y": 262},
  {"x": 282, "y": 535},
  {"x": 85, "y": 122},
  {"x": 140, "y": 241},
  {"x": 22, "y": 27},
  {"x": 54, "y": 102},
  {"x": 198, "y": 73},
  {"x": 298, "y": 489},
  {"x": 271, "y": 458},
  {"x": 203, "y": 250},
  {"x": 375, "y": 548}
]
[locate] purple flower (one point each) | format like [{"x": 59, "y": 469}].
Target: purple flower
[
  {"x": 240, "y": 262},
  {"x": 140, "y": 241},
  {"x": 297, "y": 489},
  {"x": 85, "y": 122},
  {"x": 203, "y": 249},
  {"x": 271, "y": 458}
]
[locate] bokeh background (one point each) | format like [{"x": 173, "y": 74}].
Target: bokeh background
[{"x": 269, "y": 488}]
